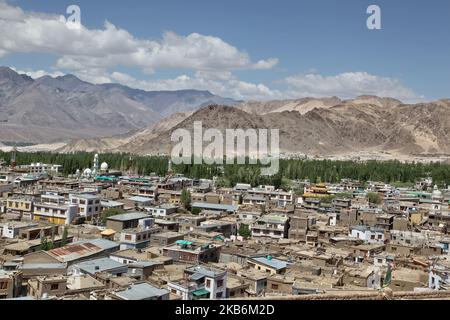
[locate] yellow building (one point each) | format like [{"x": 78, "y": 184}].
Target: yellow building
[
  {"x": 19, "y": 204},
  {"x": 319, "y": 190}
]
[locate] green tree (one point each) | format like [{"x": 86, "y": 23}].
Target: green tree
[
  {"x": 374, "y": 198},
  {"x": 263, "y": 209},
  {"x": 244, "y": 231},
  {"x": 64, "y": 236},
  {"x": 44, "y": 243},
  {"x": 186, "y": 199}
]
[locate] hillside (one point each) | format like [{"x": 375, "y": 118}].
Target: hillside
[
  {"x": 348, "y": 127},
  {"x": 56, "y": 109}
]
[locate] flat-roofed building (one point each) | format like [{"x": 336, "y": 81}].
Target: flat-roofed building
[
  {"x": 271, "y": 226},
  {"x": 89, "y": 206},
  {"x": 125, "y": 221},
  {"x": 54, "y": 209}
]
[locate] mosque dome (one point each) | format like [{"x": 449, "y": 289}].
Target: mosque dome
[
  {"x": 104, "y": 166},
  {"x": 436, "y": 193}
]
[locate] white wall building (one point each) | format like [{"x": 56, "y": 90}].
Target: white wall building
[
  {"x": 88, "y": 205},
  {"x": 368, "y": 234}
]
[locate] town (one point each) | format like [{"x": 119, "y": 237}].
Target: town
[{"x": 103, "y": 234}]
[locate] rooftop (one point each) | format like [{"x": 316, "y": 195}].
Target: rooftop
[
  {"x": 129, "y": 216},
  {"x": 141, "y": 291},
  {"x": 98, "y": 265}
]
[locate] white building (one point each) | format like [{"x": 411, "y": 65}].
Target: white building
[
  {"x": 38, "y": 168},
  {"x": 163, "y": 210},
  {"x": 271, "y": 226},
  {"x": 368, "y": 234},
  {"x": 54, "y": 209},
  {"x": 88, "y": 205}
]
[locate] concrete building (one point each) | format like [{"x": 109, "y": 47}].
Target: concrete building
[
  {"x": 89, "y": 205},
  {"x": 271, "y": 226},
  {"x": 54, "y": 209}
]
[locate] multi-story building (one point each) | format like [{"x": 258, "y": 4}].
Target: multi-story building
[
  {"x": 188, "y": 251},
  {"x": 368, "y": 234},
  {"x": 21, "y": 205},
  {"x": 54, "y": 209},
  {"x": 89, "y": 205},
  {"x": 271, "y": 226}
]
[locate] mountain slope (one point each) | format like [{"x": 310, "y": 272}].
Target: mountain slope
[
  {"x": 54, "y": 109},
  {"x": 349, "y": 127}
]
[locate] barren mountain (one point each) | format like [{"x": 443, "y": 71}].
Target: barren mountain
[
  {"x": 345, "y": 128},
  {"x": 305, "y": 105},
  {"x": 55, "y": 109}
]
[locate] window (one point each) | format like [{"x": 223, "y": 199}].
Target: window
[
  {"x": 219, "y": 283},
  {"x": 208, "y": 283},
  {"x": 54, "y": 286},
  {"x": 3, "y": 285},
  {"x": 219, "y": 295},
  {"x": 128, "y": 237},
  {"x": 232, "y": 294},
  {"x": 380, "y": 260},
  {"x": 274, "y": 286}
]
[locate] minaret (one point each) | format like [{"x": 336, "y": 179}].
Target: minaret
[
  {"x": 14, "y": 157},
  {"x": 95, "y": 168},
  {"x": 169, "y": 170}
]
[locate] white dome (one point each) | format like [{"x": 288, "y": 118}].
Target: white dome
[
  {"x": 87, "y": 172},
  {"x": 104, "y": 166},
  {"x": 436, "y": 193}
]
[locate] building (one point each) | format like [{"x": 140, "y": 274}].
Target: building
[
  {"x": 224, "y": 227},
  {"x": 92, "y": 267},
  {"x": 125, "y": 221},
  {"x": 53, "y": 209},
  {"x": 10, "y": 284},
  {"x": 188, "y": 251},
  {"x": 76, "y": 252},
  {"x": 21, "y": 205},
  {"x": 163, "y": 210},
  {"x": 47, "y": 286},
  {"x": 141, "y": 291},
  {"x": 137, "y": 202},
  {"x": 138, "y": 238},
  {"x": 89, "y": 205},
  {"x": 211, "y": 282},
  {"x": 268, "y": 265},
  {"x": 12, "y": 230},
  {"x": 271, "y": 226},
  {"x": 439, "y": 275},
  {"x": 368, "y": 234},
  {"x": 212, "y": 206},
  {"x": 39, "y": 168}
]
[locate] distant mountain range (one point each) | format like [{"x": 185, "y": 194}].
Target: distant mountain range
[
  {"x": 115, "y": 118},
  {"x": 55, "y": 109},
  {"x": 366, "y": 123}
]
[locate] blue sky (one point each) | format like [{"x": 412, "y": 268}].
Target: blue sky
[{"x": 272, "y": 49}]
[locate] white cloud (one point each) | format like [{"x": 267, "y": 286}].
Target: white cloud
[
  {"x": 39, "y": 73},
  {"x": 225, "y": 85},
  {"x": 92, "y": 55},
  {"x": 348, "y": 85},
  {"x": 83, "y": 48}
]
